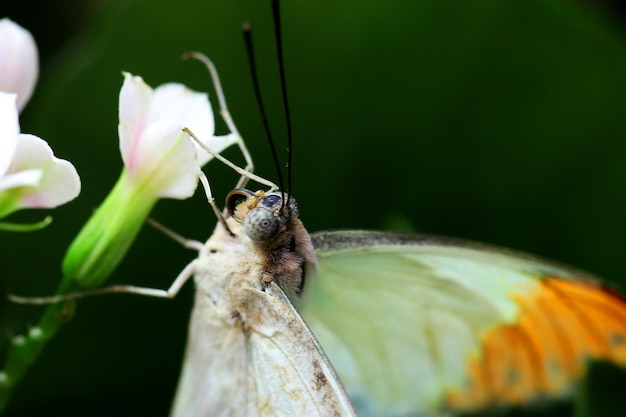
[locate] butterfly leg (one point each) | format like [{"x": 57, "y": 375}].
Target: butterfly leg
[
  {"x": 239, "y": 170},
  {"x": 209, "y": 196},
  {"x": 171, "y": 292},
  {"x": 225, "y": 113},
  {"x": 186, "y": 243}
]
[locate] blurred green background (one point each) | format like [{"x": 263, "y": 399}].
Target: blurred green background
[{"x": 503, "y": 122}]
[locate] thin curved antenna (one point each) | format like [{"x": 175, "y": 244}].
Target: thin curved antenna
[{"x": 247, "y": 36}]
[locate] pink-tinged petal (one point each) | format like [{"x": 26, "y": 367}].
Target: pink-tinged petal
[
  {"x": 151, "y": 138},
  {"x": 9, "y": 129},
  {"x": 215, "y": 143},
  {"x": 59, "y": 181},
  {"x": 165, "y": 161},
  {"x": 135, "y": 99},
  {"x": 190, "y": 107},
  {"x": 19, "y": 61},
  {"x": 28, "y": 178}
]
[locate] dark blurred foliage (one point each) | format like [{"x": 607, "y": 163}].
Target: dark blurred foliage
[{"x": 495, "y": 121}]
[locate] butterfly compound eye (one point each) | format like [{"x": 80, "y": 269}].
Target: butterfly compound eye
[{"x": 260, "y": 224}]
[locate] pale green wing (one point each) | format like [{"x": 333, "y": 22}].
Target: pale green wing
[{"x": 420, "y": 325}]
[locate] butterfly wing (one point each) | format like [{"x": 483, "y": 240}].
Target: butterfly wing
[
  {"x": 416, "y": 324},
  {"x": 292, "y": 373},
  {"x": 273, "y": 366}
]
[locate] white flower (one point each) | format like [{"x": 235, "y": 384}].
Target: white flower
[
  {"x": 160, "y": 161},
  {"x": 19, "y": 61},
  {"x": 30, "y": 175},
  {"x": 154, "y": 148}
]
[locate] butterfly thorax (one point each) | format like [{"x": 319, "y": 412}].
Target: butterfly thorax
[{"x": 265, "y": 243}]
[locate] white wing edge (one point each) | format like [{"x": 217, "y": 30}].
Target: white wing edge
[{"x": 276, "y": 301}]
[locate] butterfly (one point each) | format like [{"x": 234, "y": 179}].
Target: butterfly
[
  {"x": 368, "y": 323},
  {"x": 408, "y": 324}
]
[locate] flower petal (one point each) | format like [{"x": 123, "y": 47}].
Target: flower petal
[
  {"x": 28, "y": 178},
  {"x": 19, "y": 65},
  {"x": 135, "y": 99},
  {"x": 165, "y": 161},
  {"x": 59, "y": 181},
  {"x": 151, "y": 139},
  {"x": 9, "y": 129},
  {"x": 190, "y": 107}
]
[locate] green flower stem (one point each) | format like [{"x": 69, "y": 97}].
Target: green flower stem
[
  {"x": 91, "y": 258},
  {"x": 25, "y": 350}
]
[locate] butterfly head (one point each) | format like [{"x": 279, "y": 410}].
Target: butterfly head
[
  {"x": 270, "y": 221},
  {"x": 263, "y": 215}
]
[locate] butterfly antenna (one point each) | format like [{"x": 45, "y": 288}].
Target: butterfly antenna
[
  {"x": 283, "y": 86},
  {"x": 247, "y": 37}
]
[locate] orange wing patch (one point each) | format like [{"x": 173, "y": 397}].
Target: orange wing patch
[{"x": 561, "y": 325}]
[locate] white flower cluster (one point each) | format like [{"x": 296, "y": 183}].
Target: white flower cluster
[{"x": 30, "y": 175}]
